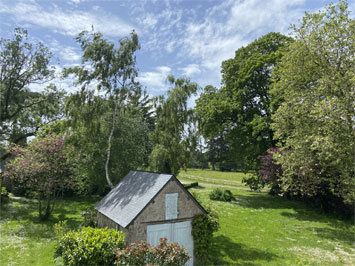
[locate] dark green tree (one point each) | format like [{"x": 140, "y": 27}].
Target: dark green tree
[
  {"x": 24, "y": 111},
  {"x": 217, "y": 152},
  {"x": 241, "y": 108},
  {"x": 173, "y": 136}
]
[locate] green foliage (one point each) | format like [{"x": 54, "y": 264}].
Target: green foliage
[
  {"x": 221, "y": 195},
  {"x": 203, "y": 226},
  {"x": 91, "y": 124},
  {"x": 61, "y": 228},
  {"x": 256, "y": 229},
  {"x": 218, "y": 153},
  {"x": 89, "y": 217},
  {"x": 216, "y": 194},
  {"x": 315, "y": 123},
  {"x": 164, "y": 254},
  {"x": 191, "y": 185},
  {"x": 4, "y": 195},
  {"x": 159, "y": 159},
  {"x": 43, "y": 170},
  {"x": 90, "y": 246},
  {"x": 22, "y": 111},
  {"x": 254, "y": 182},
  {"x": 108, "y": 130},
  {"x": 173, "y": 137},
  {"x": 240, "y": 111}
]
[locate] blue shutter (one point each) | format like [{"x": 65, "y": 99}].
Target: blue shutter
[{"x": 171, "y": 206}]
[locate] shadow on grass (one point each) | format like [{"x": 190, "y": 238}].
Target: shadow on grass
[
  {"x": 339, "y": 228},
  {"x": 22, "y": 215},
  {"x": 263, "y": 200},
  {"x": 226, "y": 252}
]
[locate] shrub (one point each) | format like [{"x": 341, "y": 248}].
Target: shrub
[
  {"x": 254, "y": 182},
  {"x": 89, "y": 217},
  {"x": 164, "y": 254},
  {"x": 227, "y": 195},
  {"x": 203, "y": 226},
  {"x": 4, "y": 195},
  {"x": 218, "y": 194},
  {"x": 270, "y": 172},
  {"x": 60, "y": 229},
  {"x": 90, "y": 246},
  {"x": 191, "y": 185}
]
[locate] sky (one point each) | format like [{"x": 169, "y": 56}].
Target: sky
[{"x": 181, "y": 38}]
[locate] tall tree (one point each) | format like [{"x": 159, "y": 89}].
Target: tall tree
[
  {"x": 90, "y": 124},
  {"x": 24, "y": 111},
  {"x": 114, "y": 72},
  {"x": 172, "y": 135},
  {"x": 315, "y": 123},
  {"x": 241, "y": 108}
]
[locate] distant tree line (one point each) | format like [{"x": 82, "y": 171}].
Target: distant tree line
[{"x": 284, "y": 112}]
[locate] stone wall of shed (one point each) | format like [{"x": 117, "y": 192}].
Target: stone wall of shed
[
  {"x": 104, "y": 221},
  {"x": 154, "y": 213}
]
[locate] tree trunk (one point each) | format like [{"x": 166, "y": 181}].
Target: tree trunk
[
  {"x": 39, "y": 208},
  {"x": 48, "y": 210},
  {"x": 108, "y": 152}
]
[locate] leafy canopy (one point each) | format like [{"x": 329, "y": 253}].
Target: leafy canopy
[
  {"x": 108, "y": 122},
  {"x": 24, "y": 111},
  {"x": 172, "y": 138},
  {"x": 315, "y": 123},
  {"x": 43, "y": 170},
  {"x": 240, "y": 111}
]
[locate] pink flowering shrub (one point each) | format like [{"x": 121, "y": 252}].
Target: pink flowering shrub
[
  {"x": 42, "y": 170},
  {"x": 164, "y": 254}
]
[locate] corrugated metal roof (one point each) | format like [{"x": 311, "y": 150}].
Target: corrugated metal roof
[{"x": 129, "y": 197}]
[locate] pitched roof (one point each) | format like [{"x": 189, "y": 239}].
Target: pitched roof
[{"x": 130, "y": 196}]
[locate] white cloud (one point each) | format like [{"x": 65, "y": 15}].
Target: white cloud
[
  {"x": 155, "y": 81},
  {"x": 67, "y": 22},
  {"x": 230, "y": 25},
  {"x": 65, "y": 53},
  {"x": 62, "y": 84},
  {"x": 150, "y": 21},
  {"x": 69, "y": 53},
  {"x": 190, "y": 70}
]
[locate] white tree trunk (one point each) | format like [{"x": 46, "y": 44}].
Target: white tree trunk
[{"x": 108, "y": 152}]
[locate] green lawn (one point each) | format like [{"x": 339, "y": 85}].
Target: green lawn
[
  {"x": 213, "y": 177},
  {"x": 24, "y": 240},
  {"x": 259, "y": 229},
  {"x": 256, "y": 229}
]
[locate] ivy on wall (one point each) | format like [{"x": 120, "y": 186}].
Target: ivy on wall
[{"x": 203, "y": 226}]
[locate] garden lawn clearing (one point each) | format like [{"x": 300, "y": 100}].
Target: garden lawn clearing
[
  {"x": 24, "y": 240},
  {"x": 259, "y": 229},
  {"x": 256, "y": 229},
  {"x": 228, "y": 179}
]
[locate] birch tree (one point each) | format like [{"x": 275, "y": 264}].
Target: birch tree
[{"x": 107, "y": 70}]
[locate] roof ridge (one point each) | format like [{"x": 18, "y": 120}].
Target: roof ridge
[{"x": 143, "y": 171}]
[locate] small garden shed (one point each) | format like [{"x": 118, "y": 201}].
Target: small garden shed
[{"x": 149, "y": 206}]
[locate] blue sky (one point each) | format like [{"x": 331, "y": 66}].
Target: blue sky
[{"x": 182, "y": 38}]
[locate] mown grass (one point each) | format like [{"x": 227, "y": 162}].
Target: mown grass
[
  {"x": 213, "y": 177},
  {"x": 259, "y": 229},
  {"x": 209, "y": 174},
  {"x": 24, "y": 239},
  {"x": 256, "y": 229}
]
